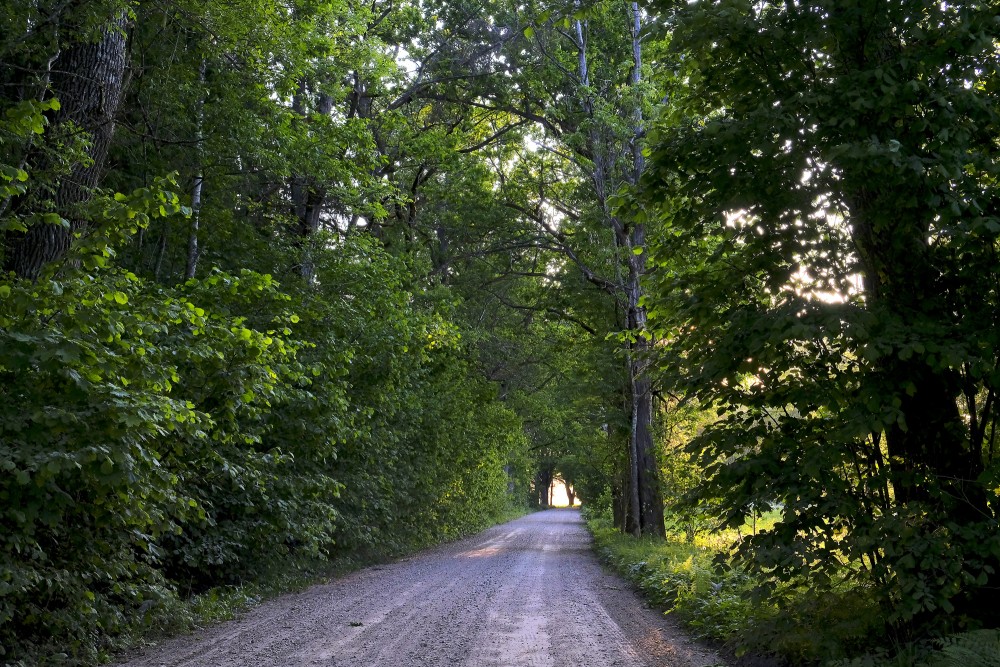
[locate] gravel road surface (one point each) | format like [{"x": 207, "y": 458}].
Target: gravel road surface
[{"x": 529, "y": 593}]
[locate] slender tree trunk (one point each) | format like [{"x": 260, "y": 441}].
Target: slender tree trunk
[
  {"x": 192, "y": 250},
  {"x": 634, "y": 502},
  {"x": 308, "y": 197},
  {"x": 87, "y": 79},
  {"x": 161, "y": 250}
]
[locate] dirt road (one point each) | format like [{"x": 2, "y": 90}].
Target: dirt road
[{"x": 525, "y": 594}]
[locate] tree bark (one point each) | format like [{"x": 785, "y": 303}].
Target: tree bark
[
  {"x": 644, "y": 500},
  {"x": 935, "y": 463},
  {"x": 931, "y": 453},
  {"x": 932, "y": 448},
  {"x": 646, "y": 473},
  {"x": 308, "y": 196},
  {"x": 193, "y": 251},
  {"x": 87, "y": 78}
]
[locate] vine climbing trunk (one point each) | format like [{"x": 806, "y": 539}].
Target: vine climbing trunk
[{"x": 87, "y": 78}]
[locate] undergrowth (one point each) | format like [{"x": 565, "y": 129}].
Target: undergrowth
[
  {"x": 794, "y": 626},
  {"x": 224, "y": 603}
]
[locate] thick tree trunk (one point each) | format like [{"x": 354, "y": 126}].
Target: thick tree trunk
[
  {"x": 935, "y": 463},
  {"x": 87, "y": 79},
  {"x": 931, "y": 457}
]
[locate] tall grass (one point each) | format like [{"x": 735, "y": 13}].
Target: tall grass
[{"x": 695, "y": 581}]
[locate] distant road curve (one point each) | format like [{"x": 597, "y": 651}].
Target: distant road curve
[{"x": 528, "y": 593}]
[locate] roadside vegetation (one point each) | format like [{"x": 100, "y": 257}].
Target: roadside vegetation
[{"x": 697, "y": 582}]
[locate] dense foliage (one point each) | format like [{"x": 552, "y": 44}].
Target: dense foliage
[
  {"x": 172, "y": 422},
  {"x": 827, "y": 219}
]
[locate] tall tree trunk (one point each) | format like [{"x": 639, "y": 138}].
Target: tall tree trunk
[
  {"x": 192, "y": 251},
  {"x": 932, "y": 452},
  {"x": 87, "y": 78},
  {"x": 308, "y": 196},
  {"x": 648, "y": 473},
  {"x": 935, "y": 463},
  {"x": 644, "y": 499},
  {"x": 933, "y": 449}
]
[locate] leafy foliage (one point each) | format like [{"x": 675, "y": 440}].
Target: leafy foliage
[
  {"x": 820, "y": 209},
  {"x": 161, "y": 440},
  {"x": 684, "y": 576},
  {"x": 315, "y": 301}
]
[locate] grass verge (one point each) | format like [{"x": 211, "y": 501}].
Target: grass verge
[{"x": 794, "y": 626}]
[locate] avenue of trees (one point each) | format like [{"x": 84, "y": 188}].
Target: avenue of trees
[{"x": 288, "y": 282}]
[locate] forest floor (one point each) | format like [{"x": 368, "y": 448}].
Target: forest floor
[{"x": 529, "y": 593}]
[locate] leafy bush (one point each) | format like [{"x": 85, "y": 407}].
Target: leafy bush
[
  {"x": 717, "y": 601},
  {"x": 164, "y": 441},
  {"x": 87, "y": 412}
]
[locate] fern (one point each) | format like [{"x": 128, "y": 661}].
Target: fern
[{"x": 980, "y": 648}]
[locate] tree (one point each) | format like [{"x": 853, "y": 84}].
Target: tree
[
  {"x": 597, "y": 133},
  {"x": 86, "y": 76},
  {"x": 827, "y": 246}
]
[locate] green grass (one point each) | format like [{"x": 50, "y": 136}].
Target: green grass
[
  {"x": 715, "y": 600},
  {"x": 681, "y": 577}
]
